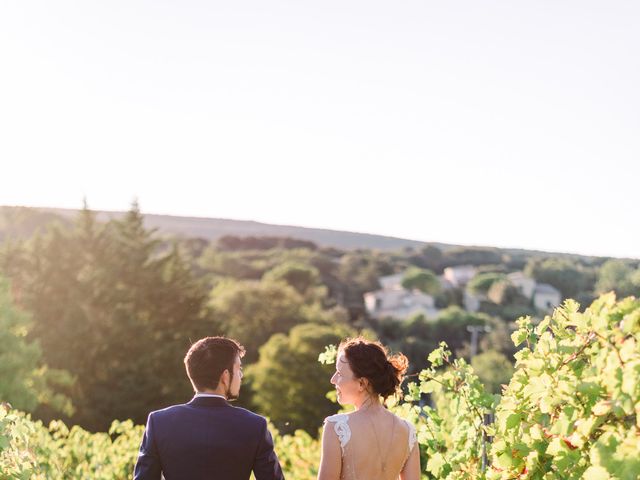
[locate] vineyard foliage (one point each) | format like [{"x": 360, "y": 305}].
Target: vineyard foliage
[
  {"x": 572, "y": 408},
  {"x": 30, "y": 450},
  {"x": 570, "y": 411}
]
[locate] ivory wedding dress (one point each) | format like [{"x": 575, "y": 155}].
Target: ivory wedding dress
[{"x": 369, "y": 453}]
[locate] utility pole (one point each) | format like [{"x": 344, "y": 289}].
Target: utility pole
[{"x": 475, "y": 331}]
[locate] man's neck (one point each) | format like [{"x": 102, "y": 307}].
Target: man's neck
[{"x": 219, "y": 392}]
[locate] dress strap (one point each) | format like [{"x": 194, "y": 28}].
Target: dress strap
[
  {"x": 411, "y": 442},
  {"x": 412, "y": 435},
  {"x": 341, "y": 427}
]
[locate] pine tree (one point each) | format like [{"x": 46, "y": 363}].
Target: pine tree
[
  {"x": 113, "y": 308},
  {"x": 25, "y": 381}
]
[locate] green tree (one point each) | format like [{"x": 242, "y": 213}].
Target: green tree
[
  {"x": 493, "y": 369},
  {"x": 228, "y": 264},
  {"x": 564, "y": 274},
  {"x": 299, "y": 276},
  {"x": 22, "y": 222},
  {"x": 252, "y": 312},
  {"x": 620, "y": 277},
  {"x": 362, "y": 270},
  {"x": 115, "y": 311},
  {"x": 472, "y": 256},
  {"x": 451, "y": 326},
  {"x": 429, "y": 257},
  {"x": 481, "y": 283},
  {"x": 418, "y": 335},
  {"x": 25, "y": 382},
  {"x": 503, "y": 292},
  {"x": 420, "y": 279},
  {"x": 290, "y": 385}
]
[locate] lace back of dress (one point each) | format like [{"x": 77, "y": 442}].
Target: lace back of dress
[{"x": 359, "y": 456}]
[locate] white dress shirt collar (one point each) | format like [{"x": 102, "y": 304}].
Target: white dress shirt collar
[{"x": 214, "y": 395}]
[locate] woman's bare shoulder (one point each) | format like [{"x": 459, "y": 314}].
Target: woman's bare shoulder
[{"x": 338, "y": 418}]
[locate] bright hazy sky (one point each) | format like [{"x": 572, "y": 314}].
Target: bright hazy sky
[{"x": 476, "y": 122}]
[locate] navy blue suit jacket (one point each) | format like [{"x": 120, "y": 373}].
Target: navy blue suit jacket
[{"x": 206, "y": 438}]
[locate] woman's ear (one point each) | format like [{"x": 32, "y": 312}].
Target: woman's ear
[{"x": 363, "y": 384}]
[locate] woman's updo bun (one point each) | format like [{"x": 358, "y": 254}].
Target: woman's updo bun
[{"x": 371, "y": 360}]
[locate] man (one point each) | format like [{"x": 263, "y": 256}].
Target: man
[{"x": 208, "y": 438}]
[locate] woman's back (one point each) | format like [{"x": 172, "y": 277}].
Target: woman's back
[
  {"x": 374, "y": 444},
  {"x": 370, "y": 443}
]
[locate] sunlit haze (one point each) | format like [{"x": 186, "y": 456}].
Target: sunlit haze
[{"x": 494, "y": 123}]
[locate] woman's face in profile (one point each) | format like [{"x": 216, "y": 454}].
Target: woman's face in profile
[{"x": 347, "y": 386}]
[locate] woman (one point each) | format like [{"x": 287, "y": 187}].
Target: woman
[{"x": 369, "y": 443}]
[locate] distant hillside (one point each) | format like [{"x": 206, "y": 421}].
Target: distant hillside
[{"x": 21, "y": 222}]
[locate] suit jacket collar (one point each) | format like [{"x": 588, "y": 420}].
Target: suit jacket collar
[{"x": 209, "y": 402}]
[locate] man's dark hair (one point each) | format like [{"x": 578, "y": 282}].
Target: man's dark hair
[{"x": 208, "y": 358}]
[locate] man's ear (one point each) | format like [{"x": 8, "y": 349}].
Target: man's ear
[{"x": 225, "y": 378}]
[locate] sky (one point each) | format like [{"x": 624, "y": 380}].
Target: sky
[{"x": 472, "y": 122}]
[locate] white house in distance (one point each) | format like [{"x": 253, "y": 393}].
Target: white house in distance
[
  {"x": 392, "y": 300},
  {"x": 460, "y": 275},
  {"x": 391, "y": 282},
  {"x": 526, "y": 285},
  {"x": 546, "y": 297},
  {"x": 470, "y": 301}
]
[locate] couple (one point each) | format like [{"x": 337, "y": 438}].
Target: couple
[{"x": 208, "y": 438}]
